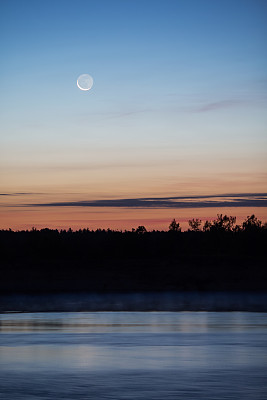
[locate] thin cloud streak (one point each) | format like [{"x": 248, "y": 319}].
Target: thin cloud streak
[
  {"x": 218, "y": 105},
  {"x": 220, "y": 201},
  {"x": 17, "y": 194}
]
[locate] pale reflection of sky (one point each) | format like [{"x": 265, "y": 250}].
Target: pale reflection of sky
[
  {"x": 132, "y": 322},
  {"x": 47, "y": 357},
  {"x": 117, "y": 341}
]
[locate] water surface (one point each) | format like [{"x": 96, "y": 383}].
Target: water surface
[{"x": 133, "y": 355}]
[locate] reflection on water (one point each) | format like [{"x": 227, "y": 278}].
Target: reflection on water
[
  {"x": 133, "y": 355},
  {"x": 87, "y": 322}
]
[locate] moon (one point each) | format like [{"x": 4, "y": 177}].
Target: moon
[{"x": 85, "y": 82}]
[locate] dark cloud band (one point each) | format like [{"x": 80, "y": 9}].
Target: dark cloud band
[{"x": 229, "y": 200}]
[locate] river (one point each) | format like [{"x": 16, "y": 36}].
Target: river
[{"x": 133, "y": 355}]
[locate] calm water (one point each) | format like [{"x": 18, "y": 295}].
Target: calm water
[{"x": 128, "y": 355}]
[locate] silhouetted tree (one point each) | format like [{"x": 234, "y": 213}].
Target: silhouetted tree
[
  {"x": 207, "y": 226},
  {"x": 194, "y": 224},
  {"x": 222, "y": 223},
  {"x": 141, "y": 229},
  {"x": 252, "y": 223},
  {"x": 174, "y": 226}
]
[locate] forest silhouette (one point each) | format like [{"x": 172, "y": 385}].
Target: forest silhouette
[{"x": 217, "y": 255}]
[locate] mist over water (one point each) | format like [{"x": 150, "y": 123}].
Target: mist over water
[{"x": 133, "y": 355}]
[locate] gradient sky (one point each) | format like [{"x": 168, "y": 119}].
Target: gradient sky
[{"x": 178, "y": 109}]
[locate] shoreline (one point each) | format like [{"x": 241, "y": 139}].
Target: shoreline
[{"x": 164, "y": 301}]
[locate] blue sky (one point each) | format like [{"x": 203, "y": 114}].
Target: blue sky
[
  {"x": 179, "y": 96},
  {"x": 139, "y": 53}
]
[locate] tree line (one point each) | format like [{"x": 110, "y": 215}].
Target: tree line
[
  {"x": 214, "y": 255},
  {"x": 221, "y": 223}
]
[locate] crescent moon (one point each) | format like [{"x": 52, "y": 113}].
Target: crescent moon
[{"x": 85, "y": 82}]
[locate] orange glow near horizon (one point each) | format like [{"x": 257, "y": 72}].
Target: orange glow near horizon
[
  {"x": 22, "y": 194},
  {"x": 115, "y": 218}
]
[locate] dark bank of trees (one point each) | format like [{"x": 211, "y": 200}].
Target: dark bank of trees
[{"x": 218, "y": 255}]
